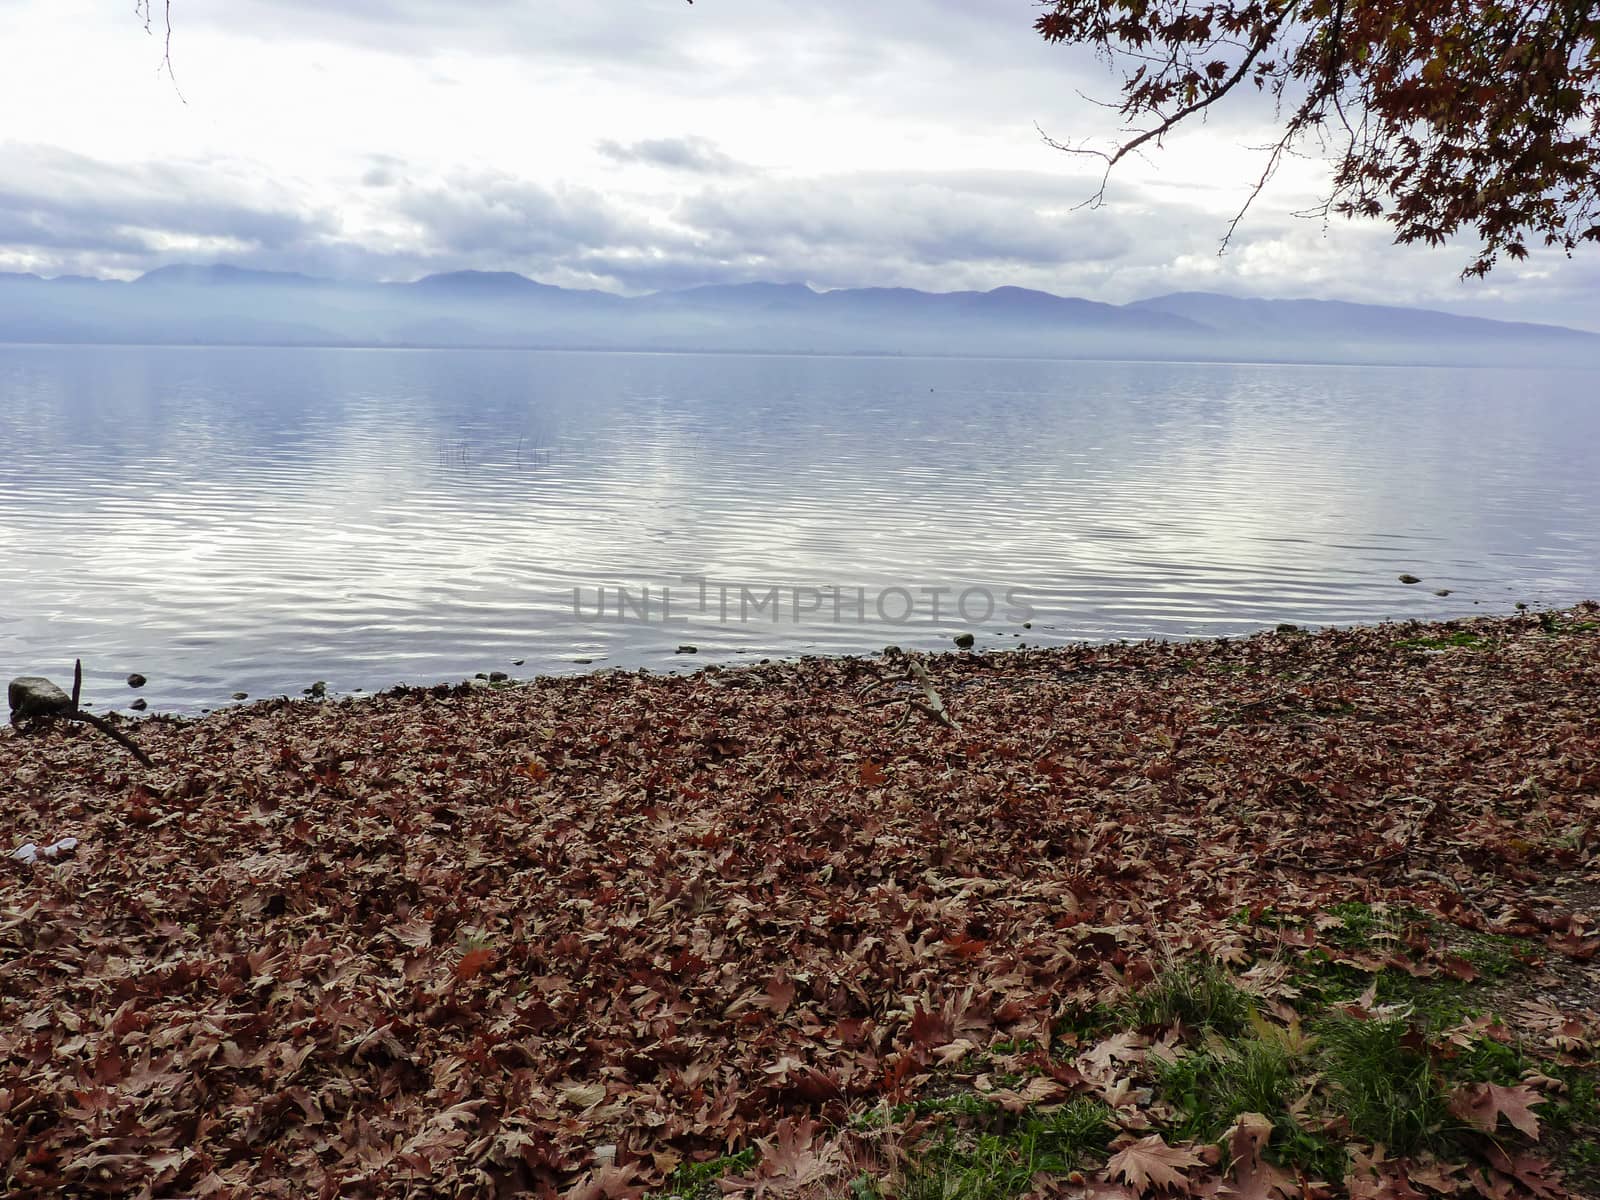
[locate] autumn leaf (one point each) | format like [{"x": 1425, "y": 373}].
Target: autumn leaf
[
  {"x": 1151, "y": 1163},
  {"x": 607, "y": 1183},
  {"x": 1483, "y": 1104},
  {"x": 780, "y": 993},
  {"x": 1129, "y": 1046},
  {"x": 1038, "y": 1090},
  {"x": 1251, "y": 1176},
  {"x": 416, "y": 933},
  {"x": 582, "y": 1095},
  {"x": 473, "y": 962}
]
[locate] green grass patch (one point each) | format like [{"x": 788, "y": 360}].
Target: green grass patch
[
  {"x": 1383, "y": 1080},
  {"x": 1572, "y": 1125},
  {"x": 1448, "y": 642},
  {"x": 1082, "y": 1026},
  {"x": 1201, "y": 995},
  {"x": 1556, "y": 627},
  {"x": 999, "y": 1161},
  {"x": 698, "y": 1181}
]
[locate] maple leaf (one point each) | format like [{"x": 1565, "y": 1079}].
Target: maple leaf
[
  {"x": 1535, "y": 1174},
  {"x": 607, "y": 1183},
  {"x": 416, "y": 933},
  {"x": 1483, "y": 1104},
  {"x": 871, "y": 774},
  {"x": 473, "y": 963},
  {"x": 1038, "y": 1090},
  {"x": 583, "y": 1095},
  {"x": 1150, "y": 1162},
  {"x": 791, "y": 1160},
  {"x": 1129, "y": 1046},
  {"x": 1253, "y": 1178},
  {"x": 780, "y": 993}
]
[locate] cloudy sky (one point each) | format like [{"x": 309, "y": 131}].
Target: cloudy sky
[{"x": 644, "y": 144}]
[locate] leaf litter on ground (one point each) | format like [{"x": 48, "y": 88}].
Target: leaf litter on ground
[{"x": 569, "y": 937}]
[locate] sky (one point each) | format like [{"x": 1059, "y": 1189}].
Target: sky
[{"x": 638, "y": 145}]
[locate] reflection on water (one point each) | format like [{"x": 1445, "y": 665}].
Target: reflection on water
[{"x": 253, "y": 520}]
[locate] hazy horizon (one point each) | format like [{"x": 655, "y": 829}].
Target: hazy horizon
[{"x": 217, "y": 304}]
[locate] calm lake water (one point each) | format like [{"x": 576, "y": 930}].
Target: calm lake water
[{"x": 227, "y": 520}]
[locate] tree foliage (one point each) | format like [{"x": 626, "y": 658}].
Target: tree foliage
[{"x": 1445, "y": 117}]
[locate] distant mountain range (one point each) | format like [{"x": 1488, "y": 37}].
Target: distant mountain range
[{"x": 222, "y": 305}]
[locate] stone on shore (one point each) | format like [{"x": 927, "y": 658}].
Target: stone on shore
[{"x": 35, "y": 696}]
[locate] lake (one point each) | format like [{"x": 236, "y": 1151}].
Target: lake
[{"x": 253, "y": 520}]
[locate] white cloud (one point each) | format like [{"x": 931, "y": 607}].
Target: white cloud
[{"x": 658, "y": 145}]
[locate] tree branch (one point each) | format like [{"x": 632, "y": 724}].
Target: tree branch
[{"x": 1263, "y": 40}]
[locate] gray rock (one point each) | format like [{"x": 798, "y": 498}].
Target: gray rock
[
  {"x": 517, "y": 662},
  {"x": 137, "y": 680},
  {"x": 140, "y": 704},
  {"x": 1442, "y": 592},
  {"x": 498, "y": 677},
  {"x": 241, "y": 695},
  {"x": 965, "y": 641},
  {"x": 317, "y": 690},
  {"x": 688, "y": 649},
  {"x": 34, "y": 696},
  {"x": 1409, "y": 579}
]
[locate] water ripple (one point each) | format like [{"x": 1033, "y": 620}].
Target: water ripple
[{"x": 254, "y": 520}]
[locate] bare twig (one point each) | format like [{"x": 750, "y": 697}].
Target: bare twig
[
  {"x": 60, "y": 708},
  {"x": 1112, "y": 158},
  {"x": 142, "y": 9}
]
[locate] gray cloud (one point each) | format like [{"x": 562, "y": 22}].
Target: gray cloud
[
  {"x": 969, "y": 61},
  {"x": 65, "y": 213},
  {"x": 695, "y": 155},
  {"x": 920, "y": 218},
  {"x": 55, "y": 201},
  {"x": 482, "y": 213}
]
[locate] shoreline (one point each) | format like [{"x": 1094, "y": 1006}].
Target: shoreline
[
  {"x": 590, "y": 931},
  {"x": 662, "y": 662}
]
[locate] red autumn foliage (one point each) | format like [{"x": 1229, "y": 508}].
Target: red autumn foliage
[{"x": 1443, "y": 116}]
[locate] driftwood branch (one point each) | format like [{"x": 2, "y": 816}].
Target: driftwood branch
[
  {"x": 930, "y": 704},
  {"x": 43, "y": 701},
  {"x": 114, "y": 734}
]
